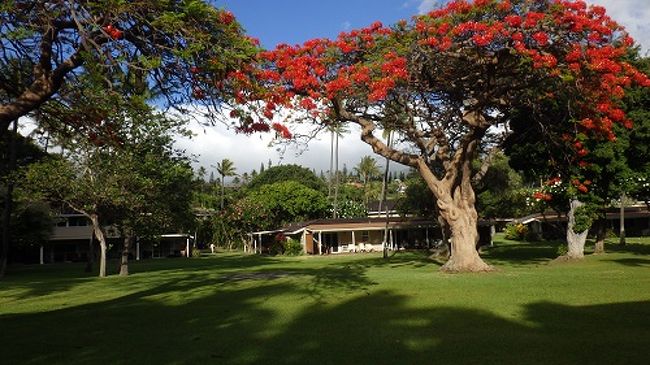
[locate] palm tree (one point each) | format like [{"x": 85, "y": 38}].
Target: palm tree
[
  {"x": 388, "y": 134},
  {"x": 367, "y": 169},
  {"x": 225, "y": 168},
  {"x": 336, "y": 130}
]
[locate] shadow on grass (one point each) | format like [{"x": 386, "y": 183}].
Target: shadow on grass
[
  {"x": 634, "y": 248},
  {"x": 521, "y": 253},
  {"x": 636, "y": 262},
  {"x": 41, "y": 280},
  {"x": 246, "y": 322}
]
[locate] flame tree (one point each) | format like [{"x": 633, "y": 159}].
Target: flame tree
[{"x": 445, "y": 83}]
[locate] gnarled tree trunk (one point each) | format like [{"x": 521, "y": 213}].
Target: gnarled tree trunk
[
  {"x": 575, "y": 241},
  {"x": 456, "y": 201}
]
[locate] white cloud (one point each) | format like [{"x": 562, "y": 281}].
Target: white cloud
[
  {"x": 214, "y": 143},
  {"x": 427, "y": 5}
]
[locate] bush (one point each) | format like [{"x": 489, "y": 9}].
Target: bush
[
  {"x": 196, "y": 252},
  {"x": 292, "y": 247},
  {"x": 276, "y": 248},
  {"x": 516, "y": 232}
]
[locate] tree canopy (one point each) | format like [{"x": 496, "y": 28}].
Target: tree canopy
[
  {"x": 444, "y": 80},
  {"x": 291, "y": 172},
  {"x": 177, "y": 52}
]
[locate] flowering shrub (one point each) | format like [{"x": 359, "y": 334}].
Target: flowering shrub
[{"x": 516, "y": 232}]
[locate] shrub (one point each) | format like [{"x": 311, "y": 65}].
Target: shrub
[
  {"x": 516, "y": 232},
  {"x": 292, "y": 247},
  {"x": 196, "y": 252}
]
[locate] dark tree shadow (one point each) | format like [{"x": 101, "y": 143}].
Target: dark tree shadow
[
  {"x": 636, "y": 262},
  {"x": 218, "y": 318},
  {"x": 521, "y": 254}
]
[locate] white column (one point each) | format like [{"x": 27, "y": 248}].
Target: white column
[
  {"x": 41, "y": 256},
  {"x": 392, "y": 244},
  {"x": 426, "y": 232},
  {"x": 320, "y": 242},
  {"x": 259, "y": 246},
  {"x": 187, "y": 246},
  {"x": 137, "y": 249},
  {"x": 354, "y": 242}
]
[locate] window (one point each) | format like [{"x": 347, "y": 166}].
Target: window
[{"x": 365, "y": 236}]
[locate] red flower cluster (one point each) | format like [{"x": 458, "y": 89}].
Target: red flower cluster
[
  {"x": 379, "y": 89},
  {"x": 282, "y": 130},
  {"x": 541, "y": 38},
  {"x": 113, "y": 32},
  {"x": 538, "y": 195},
  {"x": 253, "y": 128},
  {"x": 582, "y": 187},
  {"x": 395, "y": 67},
  {"x": 226, "y": 17}
]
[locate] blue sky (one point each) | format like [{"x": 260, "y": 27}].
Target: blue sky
[{"x": 295, "y": 21}]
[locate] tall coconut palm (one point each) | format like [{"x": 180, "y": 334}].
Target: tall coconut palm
[
  {"x": 225, "y": 168},
  {"x": 388, "y": 134},
  {"x": 367, "y": 169},
  {"x": 337, "y": 130}
]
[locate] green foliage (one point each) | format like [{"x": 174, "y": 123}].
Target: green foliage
[
  {"x": 584, "y": 217},
  {"x": 418, "y": 199},
  {"x": 351, "y": 209},
  {"x": 196, "y": 252},
  {"x": 501, "y": 193},
  {"x": 288, "y": 202},
  {"x": 152, "y": 49},
  {"x": 285, "y": 173},
  {"x": 292, "y": 247},
  {"x": 516, "y": 232}
]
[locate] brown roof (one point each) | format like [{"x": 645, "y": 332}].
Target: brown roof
[{"x": 357, "y": 223}]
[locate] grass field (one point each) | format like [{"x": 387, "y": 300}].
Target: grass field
[{"x": 233, "y": 309}]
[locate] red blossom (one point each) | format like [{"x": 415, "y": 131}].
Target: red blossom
[
  {"x": 379, "y": 89},
  {"x": 513, "y": 20},
  {"x": 226, "y": 17},
  {"x": 541, "y": 38},
  {"x": 113, "y": 32},
  {"x": 307, "y": 103},
  {"x": 282, "y": 130}
]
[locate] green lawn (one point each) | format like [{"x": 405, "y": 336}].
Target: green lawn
[{"x": 233, "y": 309}]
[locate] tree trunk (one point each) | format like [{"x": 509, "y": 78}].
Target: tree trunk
[
  {"x": 99, "y": 233},
  {"x": 382, "y": 202},
  {"x": 223, "y": 189},
  {"x": 446, "y": 235},
  {"x": 336, "y": 176},
  {"x": 8, "y": 204},
  {"x": 124, "y": 259},
  {"x": 575, "y": 241},
  {"x": 464, "y": 236},
  {"x": 455, "y": 202},
  {"x": 601, "y": 233},
  {"x": 330, "y": 181},
  {"x": 622, "y": 220}
]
